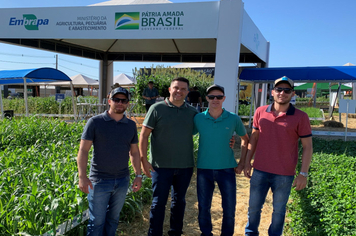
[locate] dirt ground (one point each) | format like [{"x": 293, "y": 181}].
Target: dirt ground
[{"x": 191, "y": 227}]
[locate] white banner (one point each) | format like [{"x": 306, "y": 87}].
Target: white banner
[{"x": 151, "y": 21}]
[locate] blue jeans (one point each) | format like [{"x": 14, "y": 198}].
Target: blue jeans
[
  {"x": 226, "y": 180},
  {"x": 162, "y": 181},
  {"x": 259, "y": 185},
  {"x": 106, "y": 200}
]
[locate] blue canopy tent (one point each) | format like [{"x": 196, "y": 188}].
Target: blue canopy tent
[
  {"x": 339, "y": 74},
  {"x": 27, "y": 76}
]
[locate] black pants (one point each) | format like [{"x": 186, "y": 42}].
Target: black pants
[{"x": 148, "y": 106}]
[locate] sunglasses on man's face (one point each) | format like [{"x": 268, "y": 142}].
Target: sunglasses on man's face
[
  {"x": 212, "y": 97},
  {"x": 122, "y": 100},
  {"x": 286, "y": 90}
]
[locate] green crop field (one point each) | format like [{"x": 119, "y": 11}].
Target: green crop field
[
  {"x": 328, "y": 205},
  {"x": 38, "y": 177}
]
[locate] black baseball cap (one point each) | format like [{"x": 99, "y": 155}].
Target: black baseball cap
[
  {"x": 119, "y": 90},
  {"x": 215, "y": 87}
]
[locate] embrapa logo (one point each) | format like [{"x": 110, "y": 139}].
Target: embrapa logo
[
  {"x": 127, "y": 20},
  {"x": 30, "y": 21}
]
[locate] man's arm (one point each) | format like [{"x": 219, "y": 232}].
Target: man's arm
[
  {"x": 82, "y": 162},
  {"x": 136, "y": 164},
  {"x": 244, "y": 143},
  {"x": 301, "y": 182},
  {"x": 143, "y": 144},
  {"x": 200, "y": 102},
  {"x": 251, "y": 149}
]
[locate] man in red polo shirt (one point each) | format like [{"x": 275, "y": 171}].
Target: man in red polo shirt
[{"x": 277, "y": 129}]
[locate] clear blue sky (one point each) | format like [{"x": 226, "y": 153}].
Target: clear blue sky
[{"x": 301, "y": 33}]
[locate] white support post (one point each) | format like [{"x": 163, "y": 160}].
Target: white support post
[{"x": 228, "y": 49}]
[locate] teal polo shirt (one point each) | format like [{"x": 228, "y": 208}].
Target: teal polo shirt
[
  {"x": 172, "y": 134},
  {"x": 214, "y": 139}
]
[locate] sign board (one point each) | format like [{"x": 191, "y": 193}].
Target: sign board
[
  {"x": 149, "y": 21},
  {"x": 59, "y": 97},
  {"x": 347, "y": 106}
]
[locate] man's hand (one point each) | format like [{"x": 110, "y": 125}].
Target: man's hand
[
  {"x": 239, "y": 169},
  {"x": 146, "y": 168},
  {"x": 247, "y": 170},
  {"x": 300, "y": 182},
  {"x": 84, "y": 182},
  {"x": 136, "y": 185},
  {"x": 232, "y": 141}
]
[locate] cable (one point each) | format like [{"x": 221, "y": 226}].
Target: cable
[
  {"x": 75, "y": 63},
  {"x": 27, "y": 62},
  {"x": 78, "y": 72},
  {"x": 22, "y": 55}
]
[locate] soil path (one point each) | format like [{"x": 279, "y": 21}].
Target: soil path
[{"x": 191, "y": 227}]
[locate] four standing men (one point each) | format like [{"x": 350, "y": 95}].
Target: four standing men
[{"x": 276, "y": 131}]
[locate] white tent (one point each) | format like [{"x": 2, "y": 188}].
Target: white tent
[
  {"x": 195, "y": 65},
  {"x": 78, "y": 81},
  {"x": 84, "y": 81},
  {"x": 124, "y": 80}
]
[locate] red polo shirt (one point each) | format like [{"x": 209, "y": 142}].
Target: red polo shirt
[{"x": 277, "y": 146}]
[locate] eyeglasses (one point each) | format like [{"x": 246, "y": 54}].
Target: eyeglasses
[
  {"x": 286, "y": 90},
  {"x": 212, "y": 97},
  {"x": 122, "y": 100}
]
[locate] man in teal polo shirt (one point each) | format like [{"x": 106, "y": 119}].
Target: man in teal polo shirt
[{"x": 216, "y": 162}]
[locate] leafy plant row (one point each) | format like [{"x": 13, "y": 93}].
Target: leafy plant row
[
  {"x": 328, "y": 205},
  {"x": 38, "y": 177}
]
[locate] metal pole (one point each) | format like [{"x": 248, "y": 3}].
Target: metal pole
[
  {"x": 347, "y": 115},
  {"x": 1, "y": 105},
  {"x": 238, "y": 97},
  {"x": 251, "y": 104},
  {"x": 73, "y": 101},
  {"x": 25, "y": 95},
  {"x": 338, "y": 97}
]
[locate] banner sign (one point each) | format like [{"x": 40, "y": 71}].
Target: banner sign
[{"x": 150, "y": 21}]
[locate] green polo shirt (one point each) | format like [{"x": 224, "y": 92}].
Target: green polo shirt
[
  {"x": 214, "y": 139},
  {"x": 172, "y": 134}
]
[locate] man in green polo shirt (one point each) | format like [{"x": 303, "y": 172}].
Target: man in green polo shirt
[
  {"x": 170, "y": 124},
  {"x": 216, "y": 161}
]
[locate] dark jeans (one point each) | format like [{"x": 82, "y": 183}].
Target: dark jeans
[
  {"x": 260, "y": 183},
  {"x": 148, "y": 107},
  {"x": 106, "y": 200},
  {"x": 226, "y": 180},
  {"x": 163, "y": 179}
]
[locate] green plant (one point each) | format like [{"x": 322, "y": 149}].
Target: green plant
[
  {"x": 328, "y": 205},
  {"x": 313, "y": 113},
  {"x": 38, "y": 177}
]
